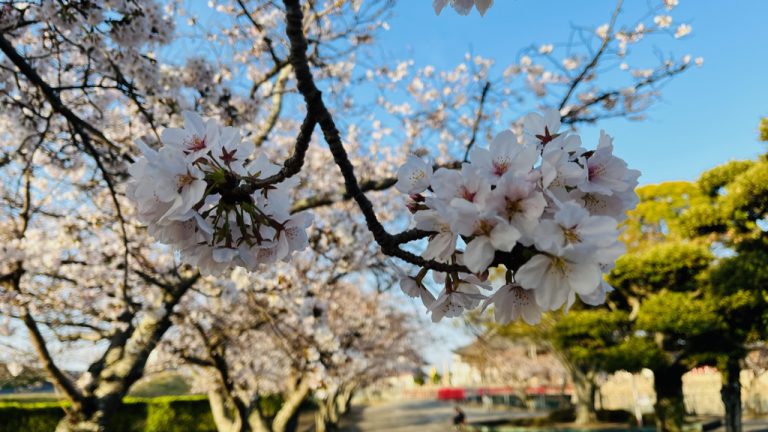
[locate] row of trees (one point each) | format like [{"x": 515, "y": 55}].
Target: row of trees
[
  {"x": 81, "y": 80},
  {"x": 294, "y": 338},
  {"x": 689, "y": 292}
]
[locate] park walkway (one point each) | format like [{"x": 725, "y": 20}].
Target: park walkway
[{"x": 421, "y": 416}]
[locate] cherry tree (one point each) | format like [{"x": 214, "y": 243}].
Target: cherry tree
[
  {"x": 79, "y": 276},
  {"x": 95, "y": 103},
  {"x": 78, "y": 271},
  {"x": 295, "y": 335}
]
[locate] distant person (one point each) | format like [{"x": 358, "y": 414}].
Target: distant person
[
  {"x": 459, "y": 420},
  {"x": 487, "y": 402}
]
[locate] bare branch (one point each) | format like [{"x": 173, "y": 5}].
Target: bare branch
[
  {"x": 478, "y": 119},
  {"x": 595, "y": 59},
  {"x": 277, "y": 107}
]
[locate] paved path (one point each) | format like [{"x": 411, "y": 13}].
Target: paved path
[
  {"x": 432, "y": 416},
  {"x": 750, "y": 425},
  {"x": 421, "y": 416}
]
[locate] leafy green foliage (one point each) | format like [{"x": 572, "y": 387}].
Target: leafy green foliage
[
  {"x": 701, "y": 220},
  {"x": 32, "y": 419},
  {"x": 673, "y": 266},
  {"x": 601, "y": 340},
  {"x": 172, "y": 414},
  {"x": 712, "y": 181},
  {"x": 679, "y": 315},
  {"x": 739, "y": 283},
  {"x": 160, "y": 414},
  {"x": 270, "y": 404},
  {"x": 657, "y": 215},
  {"x": 747, "y": 271},
  {"x": 747, "y": 196},
  {"x": 583, "y": 336}
]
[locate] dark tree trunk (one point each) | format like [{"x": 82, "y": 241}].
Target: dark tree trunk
[
  {"x": 344, "y": 400},
  {"x": 670, "y": 405},
  {"x": 93, "y": 415},
  {"x": 585, "y": 390},
  {"x": 327, "y": 415},
  {"x": 322, "y": 424},
  {"x": 730, "y": 392}
]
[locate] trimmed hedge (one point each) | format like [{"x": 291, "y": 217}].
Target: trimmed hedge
[
  {"x": 159, "y": 414},
  {"x": 34, "y": 419}
]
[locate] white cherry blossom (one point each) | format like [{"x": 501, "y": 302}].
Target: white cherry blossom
[
  {"x": 540, "y": 129},
  {"x": 178, "y": 183},
  {"x": 231, "y": 151},
  {"x": 489, "y": 233},
  {"x": 454, "y": 300},
  {"x": 511, "y": 302},
  {"x": 597, "y": 297},
  {"x": 467, "y": 185},
  {"x": 561, "y": 172},
  {"x": 606, "y": 173},
  {"x": 197, "y": 138},
  {"x": 683, "y": 30},
  {"x": 519, "y": 201},
  {"x": 504, "y": 155},
  {"x": 443, "y": 243},
  {"x": 573, "y": 226},
  {"x": 414, "y": 289},
  {"x": 555, "y": 278},
  {"x": 414, "y": 176},
  {"x": 663, "y": 21}
]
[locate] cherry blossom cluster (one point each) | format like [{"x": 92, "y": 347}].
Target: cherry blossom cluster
[
  {"x": 536, "y": 205},
  {"x": 203, "y": 193}
]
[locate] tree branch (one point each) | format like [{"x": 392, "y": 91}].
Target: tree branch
[
  {"x": 60, "y": 380},
  {"x": 478, "y": 118},
  {"x": 595, "y": 58},
  {"x": 85, "y": 130},
  {"x": 316, "y": 109},
  {"x": 52, "y": 96},
  {"x": 277, "y": 107},
  {"x": 572, "y": 116}
]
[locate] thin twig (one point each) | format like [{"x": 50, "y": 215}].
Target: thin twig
[
  {"x": 595, "y": 59},
  {"x": 478, "y": 119}
]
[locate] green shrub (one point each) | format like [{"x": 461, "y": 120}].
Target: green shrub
[
  {"x": 159, "y": 414},
  {"x": 179, "y": 414},
  {"x": 34, "y": 419}
]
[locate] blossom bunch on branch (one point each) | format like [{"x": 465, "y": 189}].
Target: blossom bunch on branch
[
  {"x": 539, "y": 204},
  {"x": 208, "y": 195}
]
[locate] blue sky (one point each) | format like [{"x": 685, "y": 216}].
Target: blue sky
[{"x": 707, "y": 116}]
